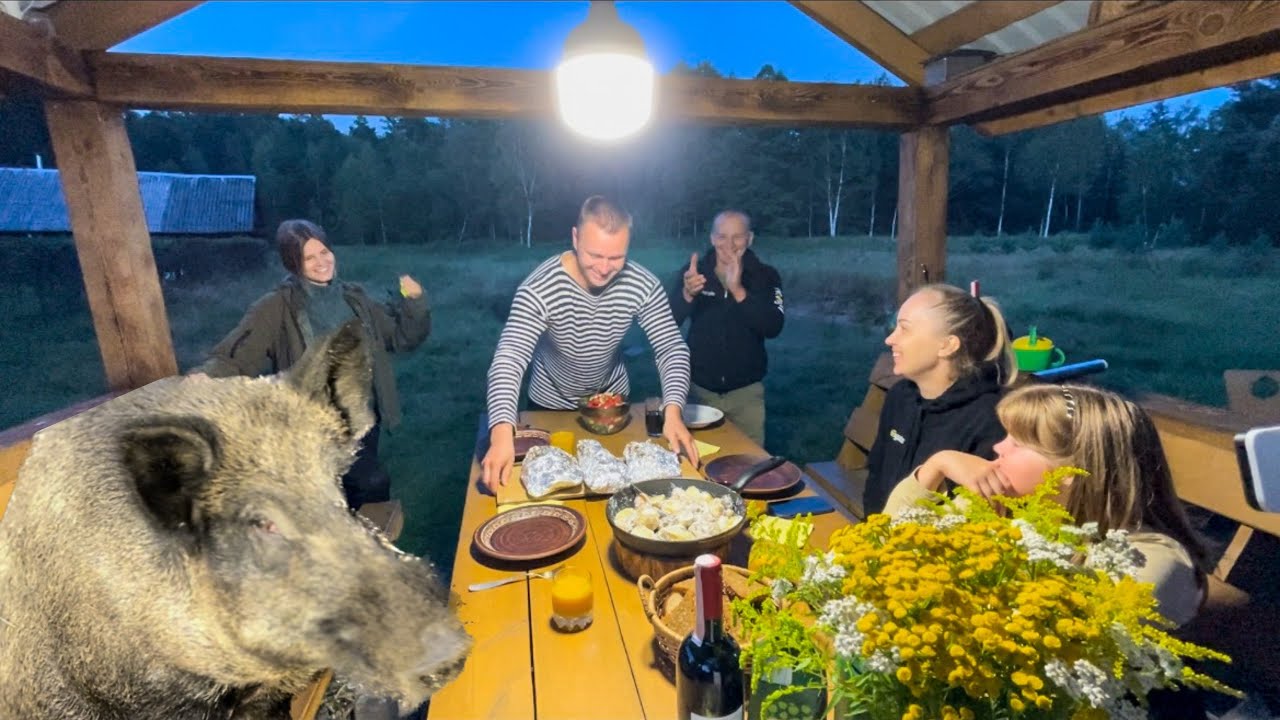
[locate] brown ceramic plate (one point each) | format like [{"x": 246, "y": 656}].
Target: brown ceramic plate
[
  {"x": 726, "y": 471},
  {"x": 531, "y": 532},
  {"x": 530, "y": 438}
]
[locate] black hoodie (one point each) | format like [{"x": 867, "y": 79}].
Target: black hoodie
[
  {"x": 726, "y": 337},
  {"x": 911, "y": 429}
]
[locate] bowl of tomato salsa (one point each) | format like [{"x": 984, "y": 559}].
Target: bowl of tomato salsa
[{"x": 604, "y": 413}]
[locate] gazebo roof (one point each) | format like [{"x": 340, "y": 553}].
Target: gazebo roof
[{"x": 1054, "y": 60}]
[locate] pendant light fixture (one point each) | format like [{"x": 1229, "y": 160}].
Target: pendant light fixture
[{"x": 604, "y": 82}]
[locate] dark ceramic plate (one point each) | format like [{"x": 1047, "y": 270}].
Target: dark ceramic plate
[
  {"x": 531, "y": 532},
  {"x": 530, "y": 438},
  {"x": 726, "y": 470}
]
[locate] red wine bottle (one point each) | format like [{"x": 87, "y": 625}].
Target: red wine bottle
[{"x": 709, "y": 682}]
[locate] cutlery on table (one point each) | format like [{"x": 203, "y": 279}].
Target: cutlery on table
[{"x": 545, "y": 575}]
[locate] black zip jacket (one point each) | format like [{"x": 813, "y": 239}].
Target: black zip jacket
[
  {"x": 911, "y": 429},
  {"x": 726, "y": 337}
]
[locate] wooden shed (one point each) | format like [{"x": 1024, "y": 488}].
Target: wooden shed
[{"x": 997, "y": 65}]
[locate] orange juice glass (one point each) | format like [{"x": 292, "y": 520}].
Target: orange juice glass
[
  {"x": 571, "y": 598},
  {"x": 563, "y": 440}
]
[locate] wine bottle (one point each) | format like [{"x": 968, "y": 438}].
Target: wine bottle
[{"x": 709, "y": 683}]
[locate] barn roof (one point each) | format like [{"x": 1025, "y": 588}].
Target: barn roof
[{"x": 175, "y": 204}]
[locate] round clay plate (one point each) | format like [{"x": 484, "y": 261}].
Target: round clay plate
[
  {"x": 726, "y": 471},
  {"x": 530, "y": 438},
  {"x": 530, "y": 532},
  {"x": 697, "y": 417}
]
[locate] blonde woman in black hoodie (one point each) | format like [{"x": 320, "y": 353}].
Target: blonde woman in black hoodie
[{"x": 953, "y": 351}]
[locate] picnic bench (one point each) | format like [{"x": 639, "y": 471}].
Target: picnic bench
[
  {"x": 520, "y": 667},
  {"x": 845, "y": 477}
]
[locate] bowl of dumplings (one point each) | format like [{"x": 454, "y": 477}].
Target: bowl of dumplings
[
  {"x": 675, "y": 517},
  {"x": 682, "y": 517}
]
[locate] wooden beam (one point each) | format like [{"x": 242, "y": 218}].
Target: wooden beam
[
  {"x": 857, "y": 24},
  {"x": 1101, "y": 11},
  {"x": 29, "y": 56},
  {"x": 689, "y": 97},
  {"x": 100, "y": 184},
  {"x": 229, "y": 84},
  {"x": 1142, "y": 48},
  {"x": 1230, "y": 74},
  {"x": 974, "y": 22},
  {"x": 98, "y": 25},
  {"x": 923, "y": 164}
]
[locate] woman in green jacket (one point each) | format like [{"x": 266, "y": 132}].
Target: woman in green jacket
[{"x": 310, "y": 303}]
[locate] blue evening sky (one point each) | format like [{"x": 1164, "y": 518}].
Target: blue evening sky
[{"x": 736, "y": 37}]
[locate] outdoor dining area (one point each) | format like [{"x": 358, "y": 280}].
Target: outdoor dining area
[
  {"x": 522, "y": 665},
  {"x": 569, "y": 613}
]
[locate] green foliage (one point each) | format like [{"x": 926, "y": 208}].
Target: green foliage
[
  {"x": 1102, "y": 235},
  {"x": 1132, "y": 239},
  {"x": 1063, "y": 243},
  {"x": 1174, "y": 234}
]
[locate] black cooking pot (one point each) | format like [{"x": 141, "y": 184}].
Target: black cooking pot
[{"x": 626, "y": 497}]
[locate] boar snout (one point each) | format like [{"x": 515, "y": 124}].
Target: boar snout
[{"x": 443, "y": 648}]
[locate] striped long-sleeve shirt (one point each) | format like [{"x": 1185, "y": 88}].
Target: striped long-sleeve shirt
[{"x": 572, "y": 338}]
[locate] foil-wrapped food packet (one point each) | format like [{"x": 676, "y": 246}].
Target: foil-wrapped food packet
[
  {"x": 602, "y": 470},
  {"x": 547, "y": 469},
  {"x": 649, "y": 461}
]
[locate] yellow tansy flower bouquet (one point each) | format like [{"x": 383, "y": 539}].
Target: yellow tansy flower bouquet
[{"x": 962, "y": 611}]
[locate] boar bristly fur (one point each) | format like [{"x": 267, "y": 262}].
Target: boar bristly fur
[{"x": 184, "y": 551}]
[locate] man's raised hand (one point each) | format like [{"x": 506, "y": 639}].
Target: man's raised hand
[{"x": 694, "y": 281}]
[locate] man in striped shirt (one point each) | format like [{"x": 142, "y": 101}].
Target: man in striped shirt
[{"x": 567, "y": 320}]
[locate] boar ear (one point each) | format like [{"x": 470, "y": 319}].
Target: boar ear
[
  {"x": 338, "y": 372},
  {"x": 171, "y": 460}
]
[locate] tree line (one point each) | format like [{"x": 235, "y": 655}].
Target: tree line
[{"x": 1167, "y": 178}]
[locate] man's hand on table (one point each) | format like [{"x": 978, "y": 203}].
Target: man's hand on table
[
  {"x": 678, "y": 435},
  {"x": 496, "y": 466}
]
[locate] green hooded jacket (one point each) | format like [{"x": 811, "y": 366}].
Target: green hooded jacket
[{"x": 274, "y": 332}]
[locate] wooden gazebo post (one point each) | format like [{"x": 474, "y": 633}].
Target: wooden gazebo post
[
  {"x": 923, "y": 162},
  {"x": 100, "y": 183}
]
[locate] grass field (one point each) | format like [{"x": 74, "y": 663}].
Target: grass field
[{"x": 1167, "y": 321}]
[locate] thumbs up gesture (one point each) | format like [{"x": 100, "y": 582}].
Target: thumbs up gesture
[{"x": 694, "y": 281}]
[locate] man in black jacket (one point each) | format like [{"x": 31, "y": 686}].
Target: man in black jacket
[{"x": 734, "y": 303}]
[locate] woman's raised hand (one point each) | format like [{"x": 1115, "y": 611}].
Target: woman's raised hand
[{"x": 409, "y": 287}]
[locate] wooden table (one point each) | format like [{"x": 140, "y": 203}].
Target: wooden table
[{"x": 520, "y": 667}]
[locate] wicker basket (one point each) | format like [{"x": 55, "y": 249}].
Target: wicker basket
[{"x": 653, "y": 597}]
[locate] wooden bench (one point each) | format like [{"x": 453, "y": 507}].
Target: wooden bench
[
  {"x": 15, "y": 443},
  {"x": 1241, "y": 615},
  {"x": 845, "y": 477}
]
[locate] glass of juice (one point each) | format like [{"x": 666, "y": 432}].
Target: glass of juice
[
  {"x": 571, "y": 598},
  {"x": 563, "y": 440}
]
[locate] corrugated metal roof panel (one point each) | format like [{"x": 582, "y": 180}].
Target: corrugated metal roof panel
[
  {"x": 1061, "y": 19},
  {"x": 910, "y": 16},
  {"x": 175, "y": 204},
  {"x": 31, "y": 201},
  {"x": 1066, "y": 17}
]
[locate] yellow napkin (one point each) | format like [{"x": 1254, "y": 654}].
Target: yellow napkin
[
  {"x": 705, "y": 449},
  {"x": 776, "y": 527}
]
